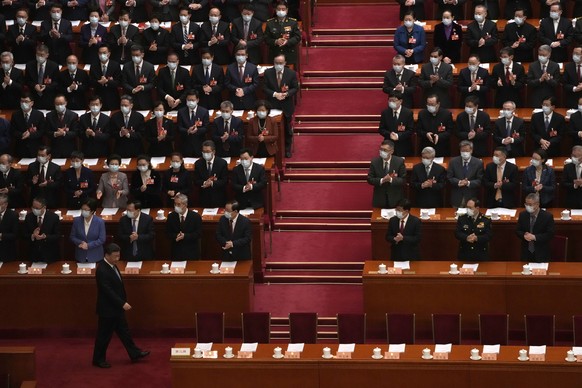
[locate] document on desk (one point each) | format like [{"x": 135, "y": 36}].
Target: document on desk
[
  {"x": 204, "y": 346},
  {"x": 491, "y": 348},
  {"x": 501, "y": 211},
  {"x": 210, "y": 211},
  {"x": 387, "y": 213},
  {"x": 227, "y": 159},
  {"x": 402, "y": 264},
  {"x": 190, "y": 160},
  {"x": 295, "y": 347},
  {"x": 577, "y": 350},
  {"x": 26, "y": 161},
  {"x": 74, "y": 213},
  {"x": 86, "y": 265},
  {"x": 275, "y": 112},
  {"x": 439, "y": 160},
  {"x": 543, "y": 266},
  {"x": 179, "y": 264},
  {"x": 158, "y": 160},
  {"x": 109, "y": 211},
  {"x": 146, "y": 210},
  {"x": 260, "y": 161},
  {"x": 576, "y": 212},
  {"x": 228, "y": 264},
  {"x": 247, "y": 212},
  {"x": 396, "y": 348},
  {"x": 60, "y": 161},
  {"x": 126, "y": 161},
  {"x": 443, "y": 348},
  {"x": 39, "y": 264},
  {"x": 471, "y": 266},
  {"x": 537, "y": 349},
  {"x": 249, "y": 347},
  {"x": 429, "y": 211},
  {"x": 134, "y": 264},
  {"x": 346, "y": 348},
  {"x": 91, "y": 162}
]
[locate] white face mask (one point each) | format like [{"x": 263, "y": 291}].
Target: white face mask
[
  {"x": 575, "y": 160},
  {"x": 213, "y": 19},
  {"x": 37, "y": 212},
  {"x": 136, "y": 59},
  {"x": 114, "y": 167},
  {"x": 42, "y": 159},
  {"x": 60, "y": 108},
  {"x": 530, "y": 209},
  {"x": 192, "y": 104},
  {"x": 546, "y": 109},
  {"x": 123, "y": 23},
  {"x": 184, "y": 19},
  {"x": 261, "y": 114},
  {"x": 76, "y": 165},
  {"x": 519, "y": 21},
  {"x": 173, "y": 65},
  {"x": 469, "y": 110},
  {"x": 426, "y": 162},
  {"x": 86, "y": 213},
  {"x": 447, "y": 21},
  {"x": 178, "y": 209},
  {"x": 397, "y": 68},
  {"x": 246, "y": 163},
  {"x": 508, "y": 114},
  {"x": 56, "y": 16},
  {"x": 95, "y": 109},
  {"x": 72, "y": 67},
  {"x": 473, "y": 68},
  {"x": 40, "y": 59},
  {"x": 542, "y": 59},
  {"x": 21, "y": 21},
  {"x": 207, "y": 156},
  {"x": 25, "y": 106},
  {"x": 4, "y": 168},
  {"x": 279, "y": 67},
  {"x": 125, "y": 110},
  {"x": 392, "y": 105},
  {"x": 103, "y": 57},
  {"x": 496, "y": 160},
  {"x": 94, "y": 20},
  {"x": 505, "y": 61},
  {"x": 479, "y": 18},
  {"x": 580, "y": 108},
  {"x": 408, "y": 23},
  {"x": 383, "y": 154},
  {"x": 471, "y": 212},
  {"x": 576, "y": 58},
  {"x": 130, "y": 215},
  {"x": 159, "y": 114},
  {"x": 225, "y": 115},
  {"x": 466, "y": 155},
  {"x": 142, "y": 168},
  {"x": 240, "y": 59},
  {"x": 434, "y": 61},
  {"x": 247, "y": 18},
  {"x": 176, "y": 165},
  {"x": 399, "y": 214},
  {"x": 227, "y": 215},
  {"x": 281, "y": 14},
  {"x": 535, "y": 163},
  {"x": 206, "y": 61},
  {"x": 431, "y": 108},
  {"x": 554, "y": 15}
]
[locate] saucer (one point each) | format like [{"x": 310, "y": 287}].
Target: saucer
[
  {"x": 378, "y": 357},
  {"x": 200, "y": 356},
  {"x": 165, "y": 272},
  {"x": 526, "y": 274},
  {"x": 566, "y": 219},
  {"x": 279, "y": 356},
  {"x": 475, "y": 358},
  {"x": 574, "y": 360},
  {"x": 330, "y": 357},
  {"x": 426, "y": 358},
  {"x": 214, "y": 272},
  {"x": 382, "y": 272},
  {"x": 454, "y": 273},
  {"x": 522, "y": 359},
  {"x": 67, "y": 272},
  {"x": 160, "y": 219},
  {"x": 22, "y": 273},
  {"x": 228, "y": 356},
  {"x": 425, "y": 218},
  {"x": 495, "y": 218}
]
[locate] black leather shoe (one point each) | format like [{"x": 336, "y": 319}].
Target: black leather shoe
[
  {"x": 102, "y": 364},
  {"x": 288, "y": 154},
  {"x": 142, "y": 354}
]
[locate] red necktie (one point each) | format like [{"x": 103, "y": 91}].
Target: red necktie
[{"x": 401, "y": 226}]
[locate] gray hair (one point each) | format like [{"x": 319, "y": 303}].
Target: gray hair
[
  {"x": 7, "y": 54},
  {"x": 545, "y": 47},
  {"x": 466, "y": 143},
  {"x": 534, "y": 197},
  {"x": 226, "y": 105},
  {"x": 577, "y": 148},
  {"x": 428, "y": 150},
  {"x": 182, "y": 198},
  {"x": 510, "y": 102}
]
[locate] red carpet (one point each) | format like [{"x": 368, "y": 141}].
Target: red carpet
[
  {"x": 345, "y": 102},
  {"x": 325, "y": 196},
  {"x": 340, "y": 147},
  {"x": 348, "y": 58},
  {"x": 350, "y": 16}
]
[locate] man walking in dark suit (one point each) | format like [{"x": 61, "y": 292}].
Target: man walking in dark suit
[
  {"x": 501, "y": 181},
  {"x": 138, "y": 79},
  {"x": 474, "y": 125},
  {"x": 548, "y": 127},
  {"x": 280, "y": 85},
  {"x": 400, "y": 80},
  {"x": 8, "y": 230},
  {"x": 184, "y": 228},
  {"x": 436, "y": 78},
  {"x": 404, "y": 231},
  {"x": 397, "y": 125},
  {"x": 111, "y": 307},
  {"x": 242, "y": 80},
  {"x": 57, "y": 34},
  {"x": 44, "y": 178},
  {"x": 428, "y": 181},
  {"x": 234, "y": 234},
  {"x": 557, "y": 32},
  {"x": 474, "y": 233},
  {"x": 508, "y": 77},
  {"x": 211, "y": 177},
  {"x": 173, "y": 83},
  {"x": 388, "y": 175},
  {"x": 105, "y": 77},
  {"x": 248, "y": 181},
  {"x": 42, "y": 232},
  {"x": 247, "y": 31},
  {"x": 481, "y": 35},
  {"x": 543, "y": 77},
  {"x": 215, "y": 34},
  {"x": 136, "y": 233},
  {"x": 208, "y": 80},
  {"x": 572, "y": 179},
  {"x": 535, "y": 229},
  {"x": 509, "y": 131},
  {"x": 192, "y": 124},
  {"x": 464, "y": 174}
]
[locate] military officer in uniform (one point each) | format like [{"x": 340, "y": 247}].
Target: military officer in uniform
[
  {"x": 473, "y": 232},
  {"x": 282, "y": 35}
]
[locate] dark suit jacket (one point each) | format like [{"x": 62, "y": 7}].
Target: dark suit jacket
[
  {"x": 508, "y": 92},
  {"x": 46, "y": 100},
  {"x": 129, "y": 80},
  {"x": 191, "y": 144},
  {"x": 418, "y": 9},
  {"x": 98, "y": 145},
  {"x": 91, "y": 53},
  {"x": 573, "y": 195},
  {"x": 408, "y": 80},
  {"x": 85, "y": 183},
  {"x": 110, "y": 291},
  {"x": 24, "y": 51},
  {"x": 407, "y": 249},
  {"x": 564, "y": 35},
  {"x": 548, "y": 181},
  {"x": 234, "y": 141},
  {"x": 60, "y": 47},
  {"x": 187, "y": 57},
  {"x": 452, "y": 46},
  {"x": 288, "y": 28},
  {"x": 9, "y": 235},
  {"x": 456, "y": 9},
  {"x": 76, "y": 99},
  {"x": 429, "y": 197},
  {"x": 575, "y": 127},
  {"x": 189, "y": 247},
  {"x": 289, "y": 85},
  {"x": 132, "y": 146},
  {"x": 214, "y": 196},
  {"x": 570, "y": 80},
  {"x": 119, "y": 51},
  {"x": 241, "y": 238},
  {"x": 182, "y": 84},
  {"x": 35, "y": 125},
  {"x": 270, "y": 133},
  {"x": 482, "y": 132},
  {"x": 248, "y": 84},
  {"x": 48, "y": 249},
  {"x": 482, "y": 79},
  {"x": 108, "y": 92},
  {"x": 9, "y": 94},
  {"x": 180, "y": 182},
  {"x": 62, "y": 146},
  {"x": 509, "y": 187},
  {"x": 543, "y": 229},
  {"x": 14, "y": 181},
  {"x": 512, "y": 32},
  {"x": 403, "y": 39},
  {"x": 517, "y": 134},
  {"x": 537, "y": 90},
  {"x": 145, "y": 239},
  {"x": 403, "y": 126},
  {"x": 215, "y": 80},
  {"x": 511, "y": 6},
  {"x": 5, "y": 141},
  {"x": 441, "y": 124},
  {"x": 387, "y": 194},
  {"x": 553, "y": 134},
  {"x": 152, "y": 196},
  {"x": 254, "y": 39},
  {"x": 487, "y": 52},
  {"x": 481, "y": 227},
  {"x": 440, "y": 87},
  {"x": 51, "y": 192},
  {"x": 455, "y": 173},
  {"x": 162, "y": 39},
  {"x": 138, "y": 13},
  {"x": 254, "y": 197},
  {"x": 492, "y": 7},
  {"x": 164, "y": 147},
  {"x": 220, "y": 50}
]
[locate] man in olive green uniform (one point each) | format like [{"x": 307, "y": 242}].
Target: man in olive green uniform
[
  {"x": 283, "y": 36},
  {"x": 473, "y": 232}
]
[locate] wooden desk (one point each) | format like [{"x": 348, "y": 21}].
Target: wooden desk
[
  {"x": 497, "y": 287},
  {"x": 64, "y": 303},
  {"x": 439, "y": 242},
  {"x": 410, "y": 371},
  {"x": 18, "y": 362}
]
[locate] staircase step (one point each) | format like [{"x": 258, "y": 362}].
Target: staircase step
[
  {"x": 342, "y": 164},
  {"x": 343, "y": 73},
  {"x": 325, "y": 176},
  {"x": 341, "y": 82},
  {"x": 354, "y": 31},
  {"x": 353, "y": 41},
  {"x": 305, "y": 125},
  {"x": 324, "y": 213},
  {"x": 313, "y": 279},
  {"x": 311, "y": 225},
  {"x": 314, "y": 265}
]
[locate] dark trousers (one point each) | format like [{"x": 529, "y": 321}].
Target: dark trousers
[
  {"x": 288, "y": 128},
  {"x": 105, "y": 329}
]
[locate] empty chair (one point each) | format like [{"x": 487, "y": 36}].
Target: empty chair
[
  {"x": 351, "y": 328},
  {"x": 446, "y": 328},
  {"x": 539, "y": 330},
  {"x": 210, "y": 327},
  {"x": 577, "y": 320},
  {"x": 559, "y": 248},
  {"x": 303, "y": 328},
  {"x": 256, "y": 327},
  {"x": 493, "y": 329},
  {"x": 400, "y": 328}
]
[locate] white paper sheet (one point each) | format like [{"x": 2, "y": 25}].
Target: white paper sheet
[
  {"x": 402, "y": 264},
  {"x": 347, "y": 348},
  {"x": 247, "y": 212},
  {"x": 295, "y": 347},
  {"x": 75, "y": 23},
  {"x": 20, "y": 66},
  {"x": 187, "y": 67},
  {"x": 397, "y": 348},
  {"x": 59, "y": 161},
  {"x": 491, "y": 348},
  {"x": 158, "y": 160},
  {"x": 511, "y": 160},
  {"x": 462, "y": 210},
  {"x": 134, "y": 264},
  {"x": 501, "y": 211},
  {"x": 577, "y": 350},
  {"x": 227, "y": 159},
  {"x": 238, "y": 113},
  {"x": 260, "y": 161},
  {"x": 439, "y": 160},
  {"x": 387, "y": 213},
  {"x": 228, "y": 264},
  {"x": 74, "y": 213},
  {"x": 80, "y": 112},
  {"x": 126, "y": 161},
  {"x": 249, "y": 347},
  {"x": 179, "y": 264},
  {"x": 26, "y": 161},
  {"x": 109, "y": 211},
  {"x": 275, "y": 112},
  {"x": 210, "y": 211},
  {"x": 576, "y": 212},
  {"x": 36, "y": 23},
  {"x": 146, "y": 210},
  {"x": 190, "y": 160},
  {"x": 431, "y": 212},
  {"x": 204, "y": 346},
  {"x": 537, "y": 349},
  {"x": 471, "y": 266},
  {"x": 144, "y": 113},
  {"x": 172, "y": 113},
  {"x": 39, "y": 264},
  {"x": 537, "y": 110},
  {"x": 87, "y": 265},
  {"x": 544, "y": 266},
  {"x": 443, "y": 348}
]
